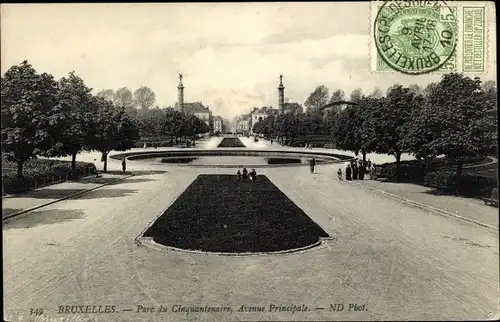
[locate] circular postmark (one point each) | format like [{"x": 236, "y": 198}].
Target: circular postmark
[{"x": 416, "y": 37}]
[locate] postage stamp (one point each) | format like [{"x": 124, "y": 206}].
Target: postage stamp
[{"x": 418, "y": 37}]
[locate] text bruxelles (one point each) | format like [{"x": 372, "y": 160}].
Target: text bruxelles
[{"x": 85, "y": 309}]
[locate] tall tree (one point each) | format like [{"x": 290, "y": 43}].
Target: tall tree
[
  {"x": 74, "y": 114},
  {"x": 415, "y": 89},
  {"x": 144, "y": 97},
  {"x": 112, "y": 129},
  {"x": 389, "y": 123},
  {"x": 107, "y": 94},
  {"x": 426, "y": 92},
  {"x": 356, "y": 95},
  {"x": 123, "y": 97},
  {"x": 317, "y": 99},
  {"x": 456, "y": 128},
  {"x": 27, "y": 100},
  {"x": 377, "y": 93},
  {"x": 337, "y": 96}
]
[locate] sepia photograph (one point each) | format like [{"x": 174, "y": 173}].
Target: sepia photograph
[{"x": 253, "y": 161}]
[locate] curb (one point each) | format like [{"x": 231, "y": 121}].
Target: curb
[
  {"x": 431, "y": 208},
  {"x": 64, "y": 198}
]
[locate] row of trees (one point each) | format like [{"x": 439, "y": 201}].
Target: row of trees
[
  {"x": 45, "y": 117},
  {"x": 456, "y": 117},
  {"x": 142, "y": 98},
  {"x": 49, "y": 118}
]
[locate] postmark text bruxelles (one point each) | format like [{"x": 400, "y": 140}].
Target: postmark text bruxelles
[{"x": 416, "y": 37}]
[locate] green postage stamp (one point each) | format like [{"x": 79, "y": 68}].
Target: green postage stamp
[{"x": 419, "y": 37}]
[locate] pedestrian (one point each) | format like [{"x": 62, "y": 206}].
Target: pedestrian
[
  {"x": 312, "y": 163},
  {"x": 245, "y": 174},
  {"x": 339, "y": 173},
  {"x": 238, "y": 174},
  {"x": 271, "y": 142},
  {"x": 124, "y": 165},
  {"x": 355, "y": 171},
  {"x": 145, "y": 145},
  {"x": 361, "y": 171},
  {"x": 348, "y": 171},
  {"x": 369, "y": 163},
  {"x": 253, "y": 175}
]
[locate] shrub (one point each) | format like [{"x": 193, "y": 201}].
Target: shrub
[
  {"x": 43, "y": 170},
  {"x": 465, "y": 185}
]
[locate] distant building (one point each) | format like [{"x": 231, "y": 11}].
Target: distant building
[
  {"x": 218, "y": 124},
  {"x": 243, "y": 125},
  {"x": 195, "y": 108}
]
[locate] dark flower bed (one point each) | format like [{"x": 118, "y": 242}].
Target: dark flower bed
[
  {"x": 231, "y": 143},
  {"x": 37, "y": 172},
  {"x": 218, "y": 213},
  {"x": 282, "y": 161}
]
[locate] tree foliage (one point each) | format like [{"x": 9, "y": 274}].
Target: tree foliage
[
  {"x": 144, "y": 97},
  {"x": 28, "y": 101}
]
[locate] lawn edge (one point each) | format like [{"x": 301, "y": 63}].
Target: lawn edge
[
  {"x": 64, "y": 198},
  {"x": 150, "y": 243},
  {"x": 430, "y": 208}
]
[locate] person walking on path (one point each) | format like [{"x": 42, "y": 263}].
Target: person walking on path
[
  {"x": 124, "y": 165},
  {"x": 245, "y": 173},
  {"x": 312, "y": 163},
  {"x": 355, "y": 171},
  {"x": 361, "y": 171},
  {"x": 339, "y": 174},
  {"x": 238, "y": 174},
  {"x": 253, "y": 175},
  {"x": 348, "y": 172}
]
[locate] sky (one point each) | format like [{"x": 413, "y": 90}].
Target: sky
[{"x": 231, "y": 54}]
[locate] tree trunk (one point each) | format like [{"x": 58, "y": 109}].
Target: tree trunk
[
  {"x": 398, "y": 165},
  {"x": 20, "y": 169},
  {"x": 364, "y": 156},
  {"x": 73, "y": 166},
  {"x": 459, "y": 175},
  {"x": 105, "y": 157}
]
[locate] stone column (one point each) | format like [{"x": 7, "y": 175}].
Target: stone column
[
  {"x": 281, "y": 96},
  {"x": 180, "y": 95}
]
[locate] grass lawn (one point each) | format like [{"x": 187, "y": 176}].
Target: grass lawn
[
  {"x": 231, "y": 143},
  {"x": 218, "y": 213}
]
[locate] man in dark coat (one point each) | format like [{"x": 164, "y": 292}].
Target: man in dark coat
[
  {"x": 354, "y": 171},
  {"x": 245, "y": 173},
  {"x": 348, "y": 172},
  {"x": 361, "y": 171},
  {"x": 124, "y": 165},
  {"x": 312, "y": 163}
]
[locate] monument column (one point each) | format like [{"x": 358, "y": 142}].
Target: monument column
[
  {"x": 281, "y": 96},
  {"x": 180, "y": 95}
]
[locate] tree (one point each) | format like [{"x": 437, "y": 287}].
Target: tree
[
  {"x": 489, "y": 85},
  {"x": 144, "y": 97},
  {"x": 337, "y": 96},
  {"x": 429, "y": 89},
  {"x": 317, "y": 99},
  {"x": 74, "y": 114},
  {"x": 377, "y": 93},
  {"x": 415, "y": 89},
  {"x": 28, "y": 101},
  {"x": 112, "y": 129},
  {"x": 107, "y": 94},
  {"x": 356, "y": 95},
  {"x": 389, "y": 122},
  {"x": 460, "y": 127},
  {"x": 123, "y": 97}
]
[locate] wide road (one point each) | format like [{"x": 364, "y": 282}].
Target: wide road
[{"x": 400, "y": 262}]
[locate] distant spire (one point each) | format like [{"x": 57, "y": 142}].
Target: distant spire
[
  {"x": 281, "y": 81},
  {"x": 180, "y": 80}
]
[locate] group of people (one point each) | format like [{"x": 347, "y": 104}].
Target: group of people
[
  {"x": 356, "y": 170},
  {"x": 308, "y": 146},
  {"x": 244, "y": 175}
]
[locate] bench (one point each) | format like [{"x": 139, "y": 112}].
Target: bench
[{"x": 493, "y": 200}]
